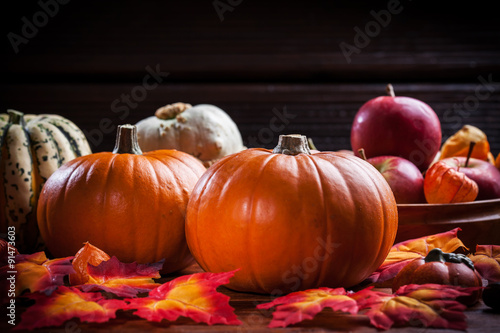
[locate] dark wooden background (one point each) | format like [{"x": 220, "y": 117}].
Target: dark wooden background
[{"x": 260, "y": 59}]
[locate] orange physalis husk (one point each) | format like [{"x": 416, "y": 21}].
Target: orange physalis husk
[
  {"x": 404, "y": 252},
  {"x": 458, "y": 144},
  {"x": 123, "y": 280},
  {"x": 34, "y": 272},
  {"x": 487, "y": 262},
  {"x": 444, "y": 183},
  {"x": 193, "y": 296},
  {"x": 301, "y": 305},
  {"x": 66, "y": 303},
  {"x": 88, "y": 254}
]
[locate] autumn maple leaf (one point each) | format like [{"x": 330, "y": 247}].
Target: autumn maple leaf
[
  {"x": 122, "y": 279},
  {"x": 66, "y": 303},
  {"x": 193, "y": 296},
  {"x": 428, "y": 305},
  {"x": 301, "y": 305},
  {"x": 486, "y": 260},
  {"x": 34, "y": 272}
]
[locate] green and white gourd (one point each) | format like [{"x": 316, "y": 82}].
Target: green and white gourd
[{"x": 32, "y": 148}]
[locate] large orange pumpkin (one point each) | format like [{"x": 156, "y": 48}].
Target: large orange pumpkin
[
  {"x": 128, "y": 204},
  {"x": 290, "y": 219}
]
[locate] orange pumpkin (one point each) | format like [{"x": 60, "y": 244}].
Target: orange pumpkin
[
  {"x": 446, "y": 184},
  {"x": 290, "y": 219},
  {"x": 128, "y": 204}
]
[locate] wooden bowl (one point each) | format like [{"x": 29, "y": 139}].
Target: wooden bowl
[{"x": 479, "y": 221}]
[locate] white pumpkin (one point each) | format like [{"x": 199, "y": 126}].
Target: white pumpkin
[
  {"x": 32, "y": 148},
  {"x": 204, "y": 131}
]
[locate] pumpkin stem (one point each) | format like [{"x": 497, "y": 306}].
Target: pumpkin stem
[
  {"x": 171, "y": 111},
  {"x": 16, "y": 117},
  {"x": 438, "y": 255},
  {"x": 390, "y": 90},
  {"x": 361, "y": 152},
  {"x": 292, "y": 144},
  {"x": 469, "y": 153},
  {"x": 126, "y": 140}
]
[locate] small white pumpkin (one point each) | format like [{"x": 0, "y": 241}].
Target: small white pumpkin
[
  {"x": 32, "y": 147},
  {"x": 204, "y": 131}
]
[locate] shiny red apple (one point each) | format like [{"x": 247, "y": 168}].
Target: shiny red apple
[
  {"x": 404, "y": 178},
  {"x": 485, "y": 174},
  {"x": 397, "y": 126}
]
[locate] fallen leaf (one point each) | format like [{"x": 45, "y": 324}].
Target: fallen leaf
[
  {"x": 193, "y": 296},
  {"x": 427, "y": 305},
  {"x": 487, "y": 262},
  {"x": 122, "y": 279},
  {"x": 301, "y": 305},
  {"x": 34, "y": 272},
  {"x": 88, "y": 254},
  {"x": 402, "y": 253},
  {"x": 66, "y": 303}
]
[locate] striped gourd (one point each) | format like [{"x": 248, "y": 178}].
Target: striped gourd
[{"x": 32, "y": 148}]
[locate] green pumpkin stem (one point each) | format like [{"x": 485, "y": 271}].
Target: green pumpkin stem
[
  {"x": 16, "y": 117},
  {"x": 292, "y": 144},
  {"x": 438, "y": 255},
  {"x": 126, "y": 140}
]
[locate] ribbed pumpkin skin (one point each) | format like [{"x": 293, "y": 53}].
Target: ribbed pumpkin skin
[
  {"x": 30, "y": 153},
  {"x": 271, "y": 214},
  {"x": 130, "y": 206}
]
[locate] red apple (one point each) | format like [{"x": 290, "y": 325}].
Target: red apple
[
  {"x": 397, "y": 126},
  {"x": 485, "y": 174},
  {"x": 404, "y": 178}
]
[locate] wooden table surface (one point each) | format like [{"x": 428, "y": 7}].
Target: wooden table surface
[{"x": 480, "y": 319}]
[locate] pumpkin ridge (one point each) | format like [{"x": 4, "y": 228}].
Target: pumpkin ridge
[
  {"x": 176, "y": 157},
  {"x": 213, "y": 170},
  {"x": 265, "y": 163},
  {"x": 154, "y": 159},
  {"x": 340, "y": 181},
  {"x": 326, "y": 226}
]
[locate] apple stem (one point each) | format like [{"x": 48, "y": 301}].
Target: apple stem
[
  {"x": 361, "y": 152},
  {"x": 469, "y": 153},
  {"x": 390, "y": 90}
]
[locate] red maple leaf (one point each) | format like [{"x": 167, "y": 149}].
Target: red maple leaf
[
  {"x": 66, "y": 303},
  {"x": 487, "y": 262},
  {"x": 301, "y": 305},
  {"x": 193, "y": 296},
  {"x": 121, "y": 279}
]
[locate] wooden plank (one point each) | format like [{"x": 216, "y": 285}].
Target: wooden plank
[
  {"x": 322, "y": 111},
  {"x": 256, "y": 41}
]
